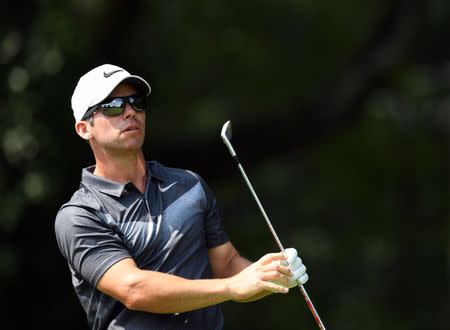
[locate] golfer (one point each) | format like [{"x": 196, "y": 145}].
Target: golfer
[{"x": 144, "y": 242}]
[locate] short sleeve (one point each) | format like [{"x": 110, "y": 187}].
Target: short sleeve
[
  {"x": 89, "y": 246},
  {"x": 215, "y": 233}
]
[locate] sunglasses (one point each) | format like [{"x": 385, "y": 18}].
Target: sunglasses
[{"x": 115, "y": 106}]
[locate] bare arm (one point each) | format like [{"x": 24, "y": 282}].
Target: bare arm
[
  {"x": 225, "y": 261},
  {"x": 157, "y": 292}
]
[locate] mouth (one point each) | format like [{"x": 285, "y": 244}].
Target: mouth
[{"x": 131, "y": 128}]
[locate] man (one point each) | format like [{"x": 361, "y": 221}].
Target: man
[{"x": 144, "y": 242}]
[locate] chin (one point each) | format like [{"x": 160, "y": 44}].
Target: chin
[{"x": 133, "y": 146}]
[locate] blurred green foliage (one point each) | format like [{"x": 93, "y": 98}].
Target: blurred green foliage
[{"x": 341, "y": 118}]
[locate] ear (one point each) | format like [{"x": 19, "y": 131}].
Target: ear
[{"x": 83, "y": 129}]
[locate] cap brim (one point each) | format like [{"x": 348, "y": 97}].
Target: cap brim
[{"x": 140, "y": 84}]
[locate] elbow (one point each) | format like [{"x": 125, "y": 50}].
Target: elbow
[
  {"x": 137, "y": 302},
  {"x": 131, "y": 294},
  {"x": 141, "y": 291},
  {"x": 136, "y": 295},
  {"x": 136, "y": 289},
  {"x": 132, "y": 302}
]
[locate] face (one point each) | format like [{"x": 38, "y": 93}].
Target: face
[{"x": 124, "y": 132}]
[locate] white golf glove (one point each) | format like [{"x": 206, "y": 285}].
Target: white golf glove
[{"x": 298, "y": 269}]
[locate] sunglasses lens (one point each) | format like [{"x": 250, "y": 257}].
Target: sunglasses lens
[
  {"x": 138, "y": 103},
  {"x": 114, "y": 108},
  {"x": 113, "y": 111}
]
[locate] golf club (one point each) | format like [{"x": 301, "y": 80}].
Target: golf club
[{"x": 226, "y": 136}]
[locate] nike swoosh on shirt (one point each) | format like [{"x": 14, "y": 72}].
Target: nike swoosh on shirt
[
  {"x": 167, "y": 187},
  {"x": 107, "y": 74}
]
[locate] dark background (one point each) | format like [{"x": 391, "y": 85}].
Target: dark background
[{"x": 340, "y": 114}]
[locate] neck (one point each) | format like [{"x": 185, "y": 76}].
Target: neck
[{"x": 128, "y": 167}]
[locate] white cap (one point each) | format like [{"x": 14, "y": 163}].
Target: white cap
[{"x": 97, "y": 84}]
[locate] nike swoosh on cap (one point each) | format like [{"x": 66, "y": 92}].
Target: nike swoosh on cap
[
  {"x": 108, "y": 74},
  {"x": 167, "y": 187}
]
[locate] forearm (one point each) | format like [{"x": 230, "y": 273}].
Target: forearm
[
  {"x": 164, "y": 293},
  {"x": 177, "y": 294},
  {"x": 236, "y": 264},
  {"x": 226, "y": 261},
  {"x": 158, "y": 292}
]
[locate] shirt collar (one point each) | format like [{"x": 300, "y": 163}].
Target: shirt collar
[
  {"x": 111, "y": 187},
  {"x": 154, "y": 168}
]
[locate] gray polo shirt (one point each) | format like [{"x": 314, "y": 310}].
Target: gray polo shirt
[{"x": 168, "y": 229}]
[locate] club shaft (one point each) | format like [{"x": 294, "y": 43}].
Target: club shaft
[
  {"x": 275, "y": 236},
  {"x": 249, "y": 185},
  {"x": 311, "y": 307}
]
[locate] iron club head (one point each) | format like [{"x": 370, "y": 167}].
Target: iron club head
[
  {"x": 226, "y": 130},
  {"x": 226, "y": 136}
]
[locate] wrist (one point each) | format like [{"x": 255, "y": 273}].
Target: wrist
[{"x": 227, "y": 288}]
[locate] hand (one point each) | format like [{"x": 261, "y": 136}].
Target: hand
[
  {"x": 265, "y": 276},
  {"x": 298, "y": 269}
]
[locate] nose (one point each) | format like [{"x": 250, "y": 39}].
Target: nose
[{"x": 129, "y": 111}]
